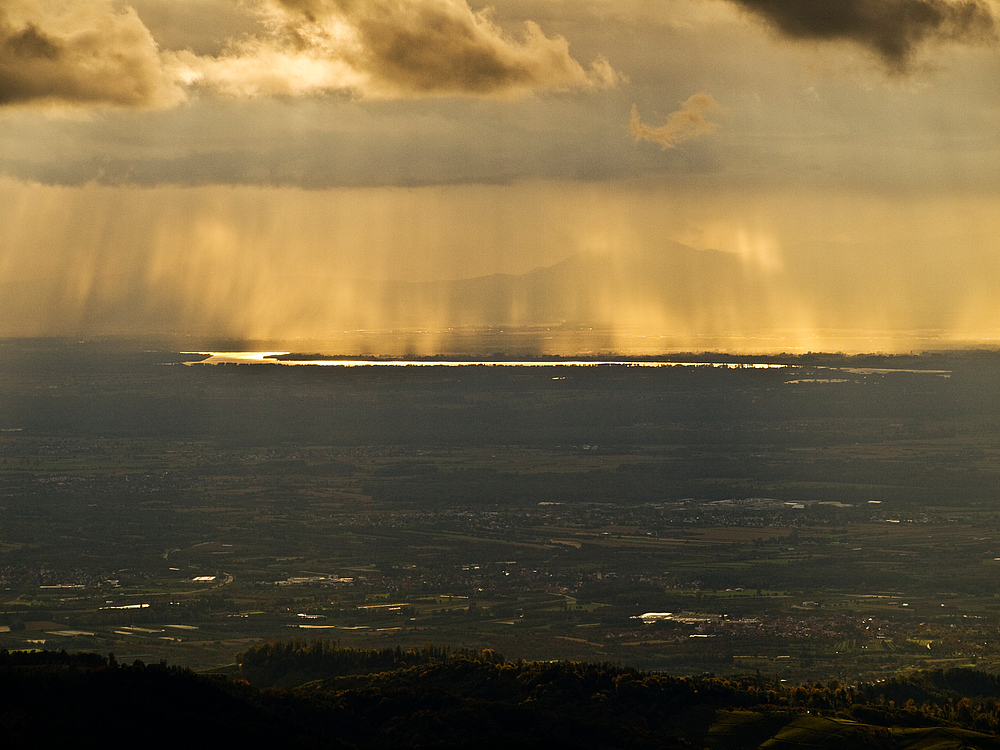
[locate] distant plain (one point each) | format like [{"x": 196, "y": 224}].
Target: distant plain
[{"x": 836, "y": 517}]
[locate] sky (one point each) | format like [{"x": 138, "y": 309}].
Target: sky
[{"x": 748, "y": 175}]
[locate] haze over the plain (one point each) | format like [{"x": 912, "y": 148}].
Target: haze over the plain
[{"x": 291, "y": 169}]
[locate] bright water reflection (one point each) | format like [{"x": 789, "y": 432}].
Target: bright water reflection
[{"x": 270, "y": 358}]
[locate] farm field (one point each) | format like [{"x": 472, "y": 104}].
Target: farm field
[{"x": 681, "y": 520}]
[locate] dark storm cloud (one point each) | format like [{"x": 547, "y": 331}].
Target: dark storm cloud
[
  {"x": 892, "y": 29},
  {"x": 91, "y": 55},
  {"x": 394, "y": 48}
]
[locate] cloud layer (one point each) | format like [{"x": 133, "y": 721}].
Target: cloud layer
[
  {"x": 100, "y": 52},
  {"x": 686, "y": 124},
  {"x": 88, "y": 53},
  {"x": 892, "y": 29},
  {"x": 393, "y": 48},
  {"x": 80, "y": 54}
]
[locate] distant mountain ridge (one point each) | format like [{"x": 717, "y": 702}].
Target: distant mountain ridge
[
  {"x": 677, "y": 286},
  {"x": 670, "y": 294}
]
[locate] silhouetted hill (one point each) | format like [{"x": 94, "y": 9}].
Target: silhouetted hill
[{"x": 435, "y": 698}]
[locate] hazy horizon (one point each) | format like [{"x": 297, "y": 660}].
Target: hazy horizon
[{"x": 683, "y": 175}]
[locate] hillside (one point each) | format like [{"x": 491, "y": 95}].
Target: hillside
[{"x": 434, "y": 698}]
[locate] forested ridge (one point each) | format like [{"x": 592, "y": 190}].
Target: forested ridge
[{"x": 438, "y": 697}]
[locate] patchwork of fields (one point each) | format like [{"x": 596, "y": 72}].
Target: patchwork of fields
[{"x": 780, "y": 524}]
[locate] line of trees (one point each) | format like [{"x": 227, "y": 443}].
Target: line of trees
[{"x": 456, "y": 698}]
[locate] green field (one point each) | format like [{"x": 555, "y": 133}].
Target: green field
[{"x": 807, "y": 531}]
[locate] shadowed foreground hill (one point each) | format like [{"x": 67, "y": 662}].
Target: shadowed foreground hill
[
  {"x": 434, "y": 698},
  {"x": 53, "y": 699}
]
